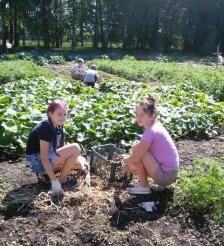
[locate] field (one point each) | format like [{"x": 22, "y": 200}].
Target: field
[{"x": 191, "y": 106}]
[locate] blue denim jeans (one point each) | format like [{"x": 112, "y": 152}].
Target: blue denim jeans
[{"x": 35, "y": 163}]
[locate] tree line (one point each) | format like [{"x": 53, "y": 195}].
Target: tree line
[{"x": 158, "y": 25}]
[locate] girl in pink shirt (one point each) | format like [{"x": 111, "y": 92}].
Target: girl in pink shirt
[{"x": 155, "y": 155}]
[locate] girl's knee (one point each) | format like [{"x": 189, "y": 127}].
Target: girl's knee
[{"x": 75, "y": 148}]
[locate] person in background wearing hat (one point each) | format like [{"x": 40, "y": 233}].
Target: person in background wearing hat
[
  {"x": 91, "y": 77},
  {"x": 79, "y": 69}
]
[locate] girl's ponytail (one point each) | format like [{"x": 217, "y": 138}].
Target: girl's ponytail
[
  {"x": 151, "y": 100},
  {"x": 148, "y": 105}
]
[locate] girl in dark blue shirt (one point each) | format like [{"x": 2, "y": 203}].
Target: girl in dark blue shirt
[{"x": 46, "y": 152}]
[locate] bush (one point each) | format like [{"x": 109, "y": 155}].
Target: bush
[
  {"x": 21, "y": 69},
  {"x": 201, "y": 187}
]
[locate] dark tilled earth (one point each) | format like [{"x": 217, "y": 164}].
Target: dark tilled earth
[{"x": 101, "y": 214}]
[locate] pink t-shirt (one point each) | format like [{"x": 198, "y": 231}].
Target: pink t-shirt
[{"x": 161, "y": 146}]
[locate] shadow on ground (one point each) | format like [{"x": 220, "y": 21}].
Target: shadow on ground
[
  {"x": 20, "y": 201},
  {"x": 128, "y": 211}
]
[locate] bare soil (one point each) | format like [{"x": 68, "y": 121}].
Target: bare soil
[
  {"x": 64, "y": 71},
  {"x": 101, "y": 214}
]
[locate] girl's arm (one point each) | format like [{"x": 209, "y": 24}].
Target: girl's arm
[
  {"x": 138, "y": 151},
  {"x": 44, "y": 149}
]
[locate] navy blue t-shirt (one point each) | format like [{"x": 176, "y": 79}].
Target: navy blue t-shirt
[{"x": 44, "y": 131}]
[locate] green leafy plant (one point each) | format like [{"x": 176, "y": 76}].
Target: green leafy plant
[
  {"x": 104, "y": 115},
  {"x": 201, "y": 187},
  {"x": 207, "y": 78},
  {"x": 21, "y": 69},
  {"x": 56, "y": 60}
]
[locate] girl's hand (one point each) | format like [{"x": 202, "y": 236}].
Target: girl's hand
[
  {"x": 134, "y": 147},
  {"x": 125, "y": 159},
  {"x": 125, "y": 169},
  {"x": 124, "y": 156},
  {"x": 56, "y": 187}
]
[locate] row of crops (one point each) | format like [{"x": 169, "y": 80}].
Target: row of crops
[
  {"x": 173, "y": 69},
  {"x": 21, "y": 69},
  {"x": 208, "y": 79},
  {"x": 104, "y": 115}
]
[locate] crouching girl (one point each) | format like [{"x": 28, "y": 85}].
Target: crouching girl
[
  {"x": 155, "y": 156},
  {"x": 46, "y": 152}
]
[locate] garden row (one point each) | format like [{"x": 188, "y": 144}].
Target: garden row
[
  {"x": 208, "y": 79},
  {"x": 21, "y": 69},
  {"x": 104, "y": 115}
]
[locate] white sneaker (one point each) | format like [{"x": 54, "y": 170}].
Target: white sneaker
[
  {"x": 138, "y": 189},
  {"x": 158, "y": 187},
  {"x": 148, "y": 206}
]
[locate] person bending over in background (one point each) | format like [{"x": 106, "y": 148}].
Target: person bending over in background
[
  {"x": 46, "y": 152},
  {"x": 91, "y": 77},
  {"x": 79, "y": 69},
  {"x": 155, "y": 156}
]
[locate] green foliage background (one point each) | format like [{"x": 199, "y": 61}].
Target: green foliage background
[
  {"x": 21, "y": 69},
  {"x": 104, "y": 115},
  {"x": 207, "y": 78}
]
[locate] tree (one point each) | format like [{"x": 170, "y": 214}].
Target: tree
[{"x": 4, "y": 26}]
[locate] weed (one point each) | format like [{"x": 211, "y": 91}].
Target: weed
[{"x": 201, "y": 187}]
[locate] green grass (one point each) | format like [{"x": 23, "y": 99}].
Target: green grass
[
  {"x": 21, "y": 69},
  {"x": 201, "y": 188},
  {"x": 209, "y": 79}
]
